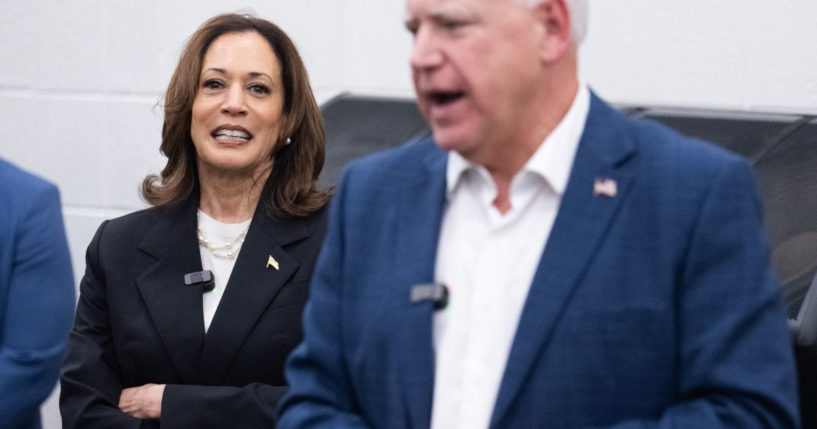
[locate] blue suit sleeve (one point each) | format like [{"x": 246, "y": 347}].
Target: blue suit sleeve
[
  {"x": 736, "y": 368},
  {"x": 320, "y": 393},
  {"x": 39, "y": 307}
]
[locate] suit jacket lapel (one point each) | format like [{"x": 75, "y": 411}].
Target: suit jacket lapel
[
  {"x": 580, "y": 226},
  {"x": 420, "y": 215},
  {"x": 251, "y": 287},
  {"x": 176, "y": 309}
]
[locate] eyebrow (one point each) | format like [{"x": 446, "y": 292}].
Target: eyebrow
[
  {"x": 440, "y": 13},
  {"x": 251, "y": 74}
]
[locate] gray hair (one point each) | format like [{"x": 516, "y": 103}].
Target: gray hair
[{"x": 578, "y": 17}]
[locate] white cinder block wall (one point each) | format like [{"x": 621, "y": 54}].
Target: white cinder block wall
[{"x": 80, "y": 80}]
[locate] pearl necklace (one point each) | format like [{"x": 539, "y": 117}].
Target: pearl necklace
[{"x": 224, "y": 251}]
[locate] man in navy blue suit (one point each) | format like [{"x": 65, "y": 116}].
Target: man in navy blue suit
[
  {"x": 36, "y": 295},
  {"x": 541, "y": 261}
]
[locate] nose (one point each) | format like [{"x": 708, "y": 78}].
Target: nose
[
  {"x": 234, "y": 101},
  {"x": 426, "y": 51}
]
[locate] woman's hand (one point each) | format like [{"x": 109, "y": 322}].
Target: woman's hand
[{"x": 143, "y": 402}]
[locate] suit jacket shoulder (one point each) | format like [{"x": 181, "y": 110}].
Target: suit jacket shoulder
[
  {"x": 670, "y": 147},
  {"x": 405, "y": 164},
  {"x": 18, "y": 187}
]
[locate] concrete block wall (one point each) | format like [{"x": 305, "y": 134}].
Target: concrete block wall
[
  {"x": 733, "y": 54},
  {"x": 81, "y": 81}
]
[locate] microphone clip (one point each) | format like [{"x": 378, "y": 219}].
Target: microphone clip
[
  {"x": 437, "y": 293},
  {"x": 203, "y": 278}
]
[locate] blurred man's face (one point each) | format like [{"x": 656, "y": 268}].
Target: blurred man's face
[{"x": 474, "y": 64}]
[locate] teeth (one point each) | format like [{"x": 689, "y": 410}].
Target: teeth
[{"x": 232, "y": 133}]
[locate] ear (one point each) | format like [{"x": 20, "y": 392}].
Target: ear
[{"x": 554, "y": 18}]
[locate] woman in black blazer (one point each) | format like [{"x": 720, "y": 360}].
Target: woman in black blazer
[{"x": 189, "y": 309}]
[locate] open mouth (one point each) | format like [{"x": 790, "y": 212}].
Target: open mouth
[
  {"x": 231, "y": 135},
  {"x": 444, "y": 98}
]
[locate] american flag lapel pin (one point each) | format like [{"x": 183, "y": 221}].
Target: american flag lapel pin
[
  {"x": 271, "y": 262},
  {"x": 605, "y": 186}
]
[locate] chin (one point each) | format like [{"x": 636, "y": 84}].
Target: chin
[
  {"x": 228, "y": 166},
  {"x": 451, "y": 140}
]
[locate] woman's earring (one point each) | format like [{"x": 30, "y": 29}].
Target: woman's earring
[{"x": 289, "y": 141}]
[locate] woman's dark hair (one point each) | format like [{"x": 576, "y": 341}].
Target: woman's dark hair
[{"x": 291, "y": 189}]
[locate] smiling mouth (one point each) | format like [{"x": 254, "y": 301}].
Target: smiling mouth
[{"x": 224, "y": 135}]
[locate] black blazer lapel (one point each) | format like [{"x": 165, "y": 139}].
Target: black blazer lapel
[
  {"x": 252, "y": 286},
  {"x": 176, "y": 309},
  {"x": 580, "y": 226}
]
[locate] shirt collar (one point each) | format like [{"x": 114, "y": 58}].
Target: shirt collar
[
  {"x": 553, "y": 159},
  {"x": 457, "y": 166}
]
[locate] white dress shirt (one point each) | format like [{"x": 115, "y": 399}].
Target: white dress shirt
[{"x": 487, "y": 260}]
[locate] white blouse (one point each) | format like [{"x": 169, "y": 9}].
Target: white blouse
[{"x": 219, "y": 234}]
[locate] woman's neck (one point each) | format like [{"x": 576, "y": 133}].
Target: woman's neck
[{"x": 230, "y": 199}]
